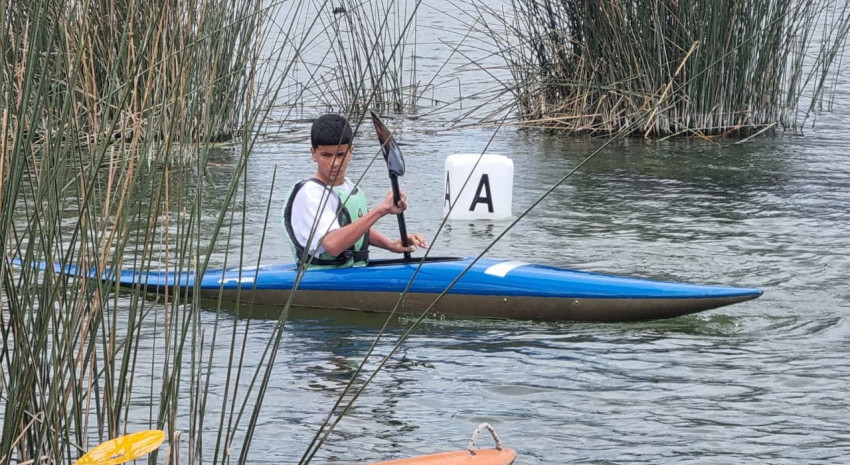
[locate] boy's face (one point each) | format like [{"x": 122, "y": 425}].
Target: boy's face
[{"x": 332, "y": 161}]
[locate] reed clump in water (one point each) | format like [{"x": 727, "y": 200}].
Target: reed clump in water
[
  {"x": 373, "y": 46},
  {"x": 105, "y": 111},
  {"x": 690, "y": 67},
  {"x": 117, "y": 68}
]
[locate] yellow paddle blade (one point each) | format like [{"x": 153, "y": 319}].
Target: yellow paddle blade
[{"x": 123, "y": 449}]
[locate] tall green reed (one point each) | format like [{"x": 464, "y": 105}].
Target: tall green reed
[
  {"x": 108, "y": 109},
  {"x": 719, "y": 67}
]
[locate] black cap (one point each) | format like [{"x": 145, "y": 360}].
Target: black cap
[{"x": 330, "y": 130}]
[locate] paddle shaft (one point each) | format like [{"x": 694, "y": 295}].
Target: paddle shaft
[{"x": 402, "y": 228}]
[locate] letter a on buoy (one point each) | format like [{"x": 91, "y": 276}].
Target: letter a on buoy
[
  {"x": 447, "y": 203},
  {"x": 483, "y": 184}
]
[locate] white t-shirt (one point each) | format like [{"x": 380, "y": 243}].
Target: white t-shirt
[{"x": 305, "y": 208}]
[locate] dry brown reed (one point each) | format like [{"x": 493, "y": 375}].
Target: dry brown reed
[
  {"x": 373, "y": 48},
  {"x": 686, "y": 67}
]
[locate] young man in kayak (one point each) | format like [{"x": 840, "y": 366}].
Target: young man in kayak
[{"x": 330, "y": 213}]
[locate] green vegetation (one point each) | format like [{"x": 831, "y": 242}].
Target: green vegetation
[
  {"x": 687, "y": 67},
  {"x": 108, "y": 110},
  {"x": 373, "y": 49}
]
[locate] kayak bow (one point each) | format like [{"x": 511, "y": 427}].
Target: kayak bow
[
  {"x": 504, "y": 456},
  {"x": 471, "y": 456}
]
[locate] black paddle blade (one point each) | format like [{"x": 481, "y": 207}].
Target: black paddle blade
[{"x": 392, "y": 152}]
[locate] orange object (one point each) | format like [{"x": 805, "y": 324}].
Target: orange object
[
  {"x": 503, "y": 456},
  {"x": 123, "y": 448}
]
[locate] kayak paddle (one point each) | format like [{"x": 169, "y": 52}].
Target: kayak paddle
[
  {"x": 123, "y": 448},
  {"x": 395, "y": 165}
]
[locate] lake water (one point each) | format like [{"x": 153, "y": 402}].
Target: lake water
[{"x": 765, "y": 381}]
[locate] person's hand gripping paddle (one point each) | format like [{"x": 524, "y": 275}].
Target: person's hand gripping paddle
[{"x": 395, "y": 165}]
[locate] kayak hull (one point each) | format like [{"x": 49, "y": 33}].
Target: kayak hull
[
  {"x": 488, "y": 306},
  {"x": 456, "y": 287}
]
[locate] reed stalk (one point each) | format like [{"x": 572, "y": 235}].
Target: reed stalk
[
  {"x": 371, "y": 61},
  {"x": 108, "y": 108},
  {"x": 702, "y": 68}
]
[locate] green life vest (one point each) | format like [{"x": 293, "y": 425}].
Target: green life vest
[{"x": 352, "y": 205}]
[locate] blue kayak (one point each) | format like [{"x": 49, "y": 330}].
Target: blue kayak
[{"x": 456, "y": 287}]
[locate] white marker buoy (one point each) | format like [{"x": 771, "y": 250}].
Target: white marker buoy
[{"x": 489, "y": 191}]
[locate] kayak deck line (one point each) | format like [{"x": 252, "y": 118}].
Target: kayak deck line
[{"x": 446, "y": 286}]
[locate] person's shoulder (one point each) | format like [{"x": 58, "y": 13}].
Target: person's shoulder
[
  {"x": 310, "y": 185},
  {"x": 312, "y": 191}
]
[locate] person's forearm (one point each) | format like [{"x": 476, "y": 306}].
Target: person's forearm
[
  {"x": 378, "y": 239},
  {"x": 338, "y": 240}
]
